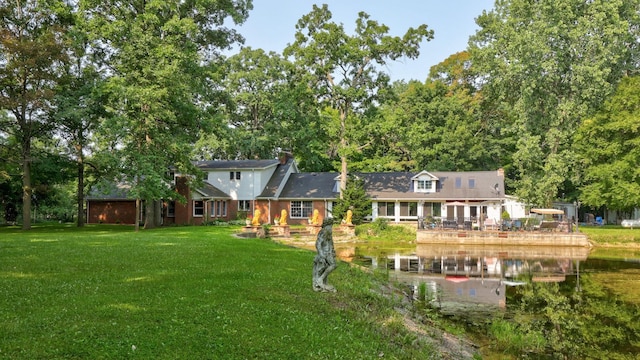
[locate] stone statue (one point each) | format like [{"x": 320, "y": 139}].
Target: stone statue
[
  {"x": 325, "y": 260},
  {"x": 349, "y": 216},
  {"x": 283, "y": 217},
  {"x": 315, "y": 220},
  {"x": 256, "y": 217}
]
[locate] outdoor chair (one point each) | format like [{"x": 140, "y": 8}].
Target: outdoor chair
[
  {"x": 490, "y": 224},
  {"x": 468, "y": 225}
]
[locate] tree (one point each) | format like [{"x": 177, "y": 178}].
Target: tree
[
  {"x": 354, "y": 198},
  {"x": 268, "y": 109},
  {"x": 79, "y": 107},
  {"x": 436, "y": 126},
  {"x": 161, "y": 57},
  {"x": 609, "y": 145},
  {"x": 547, "y": 65},
  {"x": 31, "y": 54},
  {"x": 344, "y": 70}
]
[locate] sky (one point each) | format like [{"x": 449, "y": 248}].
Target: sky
[{"x": 271, "y": 26}]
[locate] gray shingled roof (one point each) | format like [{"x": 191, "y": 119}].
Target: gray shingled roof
[
  {"x": 399, "y": 185},
  {"x": 210, "y": 191},
  {"x": 235, "y": 164},
  {"x": 484, "y": 188},
  {"x": 310, "y": 186},
  {"x": 276, "y": 180}
]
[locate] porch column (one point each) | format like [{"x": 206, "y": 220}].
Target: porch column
[{"x": 396, "y": 215}]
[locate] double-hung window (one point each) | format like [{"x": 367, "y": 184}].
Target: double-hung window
[
  {"x": 424, "y": 185},
  {"x": 301, "y": 209},
  {"x": 244, "y": 205},
  {"x": 198, "y": 208},
  {"x": 386, "y": 208}
]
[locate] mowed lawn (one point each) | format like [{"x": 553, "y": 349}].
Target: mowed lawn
[{"x": 107, "y": 292}]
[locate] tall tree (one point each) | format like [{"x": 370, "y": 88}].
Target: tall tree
[
  {"x": 547, "y": 65},
  {"x": 79, "y": 107},
  {"x": 254, "y": 80},
  {"x": 31, "y": 55},
  {"x": 161, "y": 55},
  {"x": 347, "y": 71},
  {"x": 441, "y": 127},
  {"x": 609, "y": 146}
]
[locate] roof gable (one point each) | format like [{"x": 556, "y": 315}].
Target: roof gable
[
  {"x": 424, "y": 174},
  {"x": 209, "y": 191}
]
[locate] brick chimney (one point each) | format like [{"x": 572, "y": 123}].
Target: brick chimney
[{"x": 285, "y": 156}]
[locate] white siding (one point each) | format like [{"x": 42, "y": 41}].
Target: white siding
[{"x": 250, "y": 185}]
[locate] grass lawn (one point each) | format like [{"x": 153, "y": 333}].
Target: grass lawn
[
  {"x": 107, "y": 292},
  {"x": 612, "y": 235}
]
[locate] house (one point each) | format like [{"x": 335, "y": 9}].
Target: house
[
  {"x": 111, "y": 206},
  {"x": 235, "y": 189}
]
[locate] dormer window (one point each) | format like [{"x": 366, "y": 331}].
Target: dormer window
[
  {"x": 424, "y": 182},
  {"x": 424, "y": 185}
]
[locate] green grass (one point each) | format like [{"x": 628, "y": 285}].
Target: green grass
[
  {"x": 107, "y": 292},
  {"x": 612, "y": 235}
]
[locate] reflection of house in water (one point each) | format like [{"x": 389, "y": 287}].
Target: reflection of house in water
[{"x": 478, "y": 275}]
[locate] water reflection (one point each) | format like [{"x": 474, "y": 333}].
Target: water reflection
[
  {"x": 474, "y": 279},
  {"x": 546, "y": 302}
]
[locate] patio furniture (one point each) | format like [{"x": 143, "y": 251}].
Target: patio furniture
[{"x": 490, "y": 224}]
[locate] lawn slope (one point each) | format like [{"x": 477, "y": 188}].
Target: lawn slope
[{"x": 107, "y": 292}]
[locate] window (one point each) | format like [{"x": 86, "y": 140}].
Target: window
[
  {"x": 386, "y": 208},
  {"x": 458, "y": 183},
  {"x": 408, "y": 209},
  {"x": 431, "y": 209},
  {"x": 301, "y": 209},
  {"x": 218, "y": 208},
  {"x": 424, "y": 185},
  {"x": 234, "y": 175},
  {"x": 231, "y": 175},
  {"x": 171, "y": 209},
  {"x": 244, "y": 205},
  {"x": 221, "y": 208},
  {"x": 472, "y": 183},
  {"x": 198, "y": 208}
]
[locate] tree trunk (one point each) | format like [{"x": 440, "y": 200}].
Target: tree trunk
[
  {"x": 158, "y": 212},
  {"x": 137, "y": 220},
  {"x": 149, "y": 215},
  {"x": 343, "y": 156},
  {"x": 80, "y": 189},
  {"x": 27, "y": 191},
  {"x": 153, "y": 214}
]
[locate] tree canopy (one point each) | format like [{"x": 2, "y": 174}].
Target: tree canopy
[
  {"x": 548, "y": 65},
  {"x": 346, "y": 71},
  {"x": 609, "y": 145},
  {"x": 160, "y": 56}
]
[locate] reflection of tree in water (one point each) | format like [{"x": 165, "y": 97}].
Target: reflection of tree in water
[{"x": 591, "y": 323}]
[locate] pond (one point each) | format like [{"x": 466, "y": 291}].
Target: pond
[{"x": 544, "y": 302}]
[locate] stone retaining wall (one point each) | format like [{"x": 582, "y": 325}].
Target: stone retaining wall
[{"x": 507, "y": 238}]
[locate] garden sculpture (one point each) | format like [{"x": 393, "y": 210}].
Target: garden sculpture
[
  {"x": 325, "y": 260},
  {"x": 315, "y": 220},
  {"x": 283, "y": 217},
  {"x": 349, "y": 216},
  {"x": 256, "y": 218}
]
